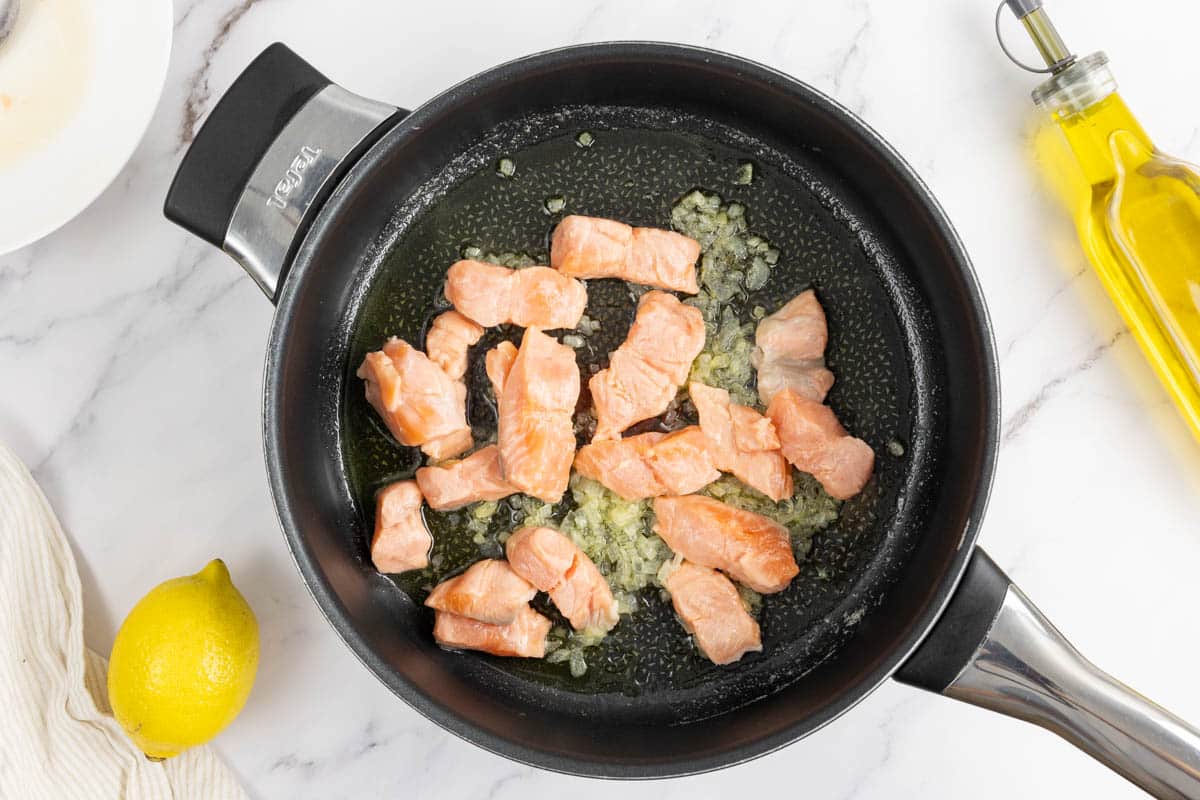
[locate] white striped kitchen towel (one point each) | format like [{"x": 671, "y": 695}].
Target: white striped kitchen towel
[{"x": 58, "y": 739}]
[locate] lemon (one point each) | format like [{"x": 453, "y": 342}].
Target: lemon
[{"x": 183, "y": 662}]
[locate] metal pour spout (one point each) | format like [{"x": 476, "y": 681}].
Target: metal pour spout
[{"x": 1043, "y": 33}]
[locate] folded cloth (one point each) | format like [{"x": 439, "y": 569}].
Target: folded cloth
[{"x": 58, "y": 738}]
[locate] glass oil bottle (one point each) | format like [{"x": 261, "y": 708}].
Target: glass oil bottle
[{"x": 1136, "y": 209}]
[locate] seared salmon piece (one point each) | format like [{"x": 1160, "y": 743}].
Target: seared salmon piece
[
  {"x": 742, "y": 441},
  {"x": 797, "y": 331},
  {"x": 489, "y": 591},
  {"x": 498, "y": 362},
  {"x": 767, "y": 471},
  {"x": 480, "y": 291},
  {"x": 455, "y": 484},
  {"x": 556, "y": 565},
  {"x": 622, "y": 465},
  {"x": 628, "y": 391},
  {"x": 789, "y": 350},
  {"x": 536, "y": 434},
  {"x": 752, "y": 432},
  {"x": 524, "y": 637},
  {"x": 452, "y": 444},
  {"x": 449, "y": 337},
  {"x": 542, "y": 556},
  {"x": 649, "y": 464},
  {"x": 545, "y": 298},
  {"x": 816, "y": 443},
  {"x": 751, "y": 548},
  {"x": 666, "y": 334},
  {"x": 532, "y": 297},
  {"x": 401, "y": 541},
  {"x": 711, "y": 610},
  {"x": 813, "y": 382},
  {"x": 590, "y": 247},
  {"x": 664, "y": 259},
  {"x": 681, "y": 461},
  {"x": 644, "y": 373},
  {"x": 420, "y": 404}
]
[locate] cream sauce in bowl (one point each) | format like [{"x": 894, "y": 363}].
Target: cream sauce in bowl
[
  {"x": 79, "y": 82},
  {"x": 43, "y": 75}
]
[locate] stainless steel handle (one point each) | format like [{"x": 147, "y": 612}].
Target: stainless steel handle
[
  {"x": 1026, "y": 669},
  {"x": 306, "y": 157},
  {"x": 275, "y": 145}
]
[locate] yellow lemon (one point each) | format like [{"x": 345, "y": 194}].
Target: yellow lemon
[{"x": 183, "y": 662}]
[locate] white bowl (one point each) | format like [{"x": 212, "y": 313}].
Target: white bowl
[{"x": 128, "y": 49}]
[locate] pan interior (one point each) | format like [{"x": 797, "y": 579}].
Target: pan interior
[{"x": 640, "y": 163}]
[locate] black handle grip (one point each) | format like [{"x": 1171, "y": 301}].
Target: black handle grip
[
  {"x": 237, "y": 133},
  {"x": 961, "y": 629}
]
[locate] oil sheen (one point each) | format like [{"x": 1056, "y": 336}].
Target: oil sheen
[
  {"x": 638, "y": 173},
  {"x": 1137, "y": 212}
]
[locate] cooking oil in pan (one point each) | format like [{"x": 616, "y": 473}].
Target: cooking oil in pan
[{"x": 638, "y": 175}]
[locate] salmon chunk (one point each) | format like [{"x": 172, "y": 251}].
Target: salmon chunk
[
  {"x": 649, "y": 464},
  {"x": 532, "y": 297},
  {"x": 455, "y": 484},
  {"x": 498, "y": 362},
  {"x": 789, "y": 350},
  {"x": 622, "y": 465},
  {"x": 524, "y": 637},
  {"x": 451, "y": 445},
  {"x": 751, "y": 548},
  {"x": 816, "y": 443},
  {"x": 629, "y": 390},
  {"x": 797, "y": 331},
  {"x": 664, "y": 259},
  {"x": 645, "y": 372},
  {"x": 742, "y": 441},
  {"x": 666, "y": 334},
  {"x": 752, "y": 432},
  {"x": 542, "y": 556},
  {"x": 711, "y": 610},
  {"x": 536, "y": 433},
  {"x": 489, "y": 591},
  {"x": 401, "y": 541},
  {"x": 449, "y": 337},
  {"x": 420, "y": 404},
  {"x": 545, "y": 298},
  {"x": 589, "y": 247},
  {"x": 681, "y": 461},
  {"x": 556, "y": 565}
]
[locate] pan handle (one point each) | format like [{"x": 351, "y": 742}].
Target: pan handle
[
  {"x": 271, "y": 151},
  {"x": 993, "y": 648}
]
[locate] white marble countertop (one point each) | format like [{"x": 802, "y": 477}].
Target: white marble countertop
[{"x": 130, "y": 379}]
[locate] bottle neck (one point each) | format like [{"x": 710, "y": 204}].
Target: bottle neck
[
  {"x": 1082, "y": 100},
  {"x": 1089, "y": 134}
]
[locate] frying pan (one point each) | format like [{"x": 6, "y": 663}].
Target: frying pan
[{"x": 347, "y": 212}]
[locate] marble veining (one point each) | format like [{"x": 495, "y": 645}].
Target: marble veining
[
  {"x": 131, "y": 373},
  {"x": 1021, "y": 417},
  {"x": 197, "y": 84}
]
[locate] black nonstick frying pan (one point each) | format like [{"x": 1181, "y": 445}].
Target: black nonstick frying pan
[{"x": 347, "y": 213}]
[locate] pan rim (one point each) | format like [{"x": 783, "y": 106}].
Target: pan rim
[{"x": 339, "y": 617}]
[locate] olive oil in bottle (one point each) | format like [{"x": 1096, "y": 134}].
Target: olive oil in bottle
[{"x": 1136, "y": 209}]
